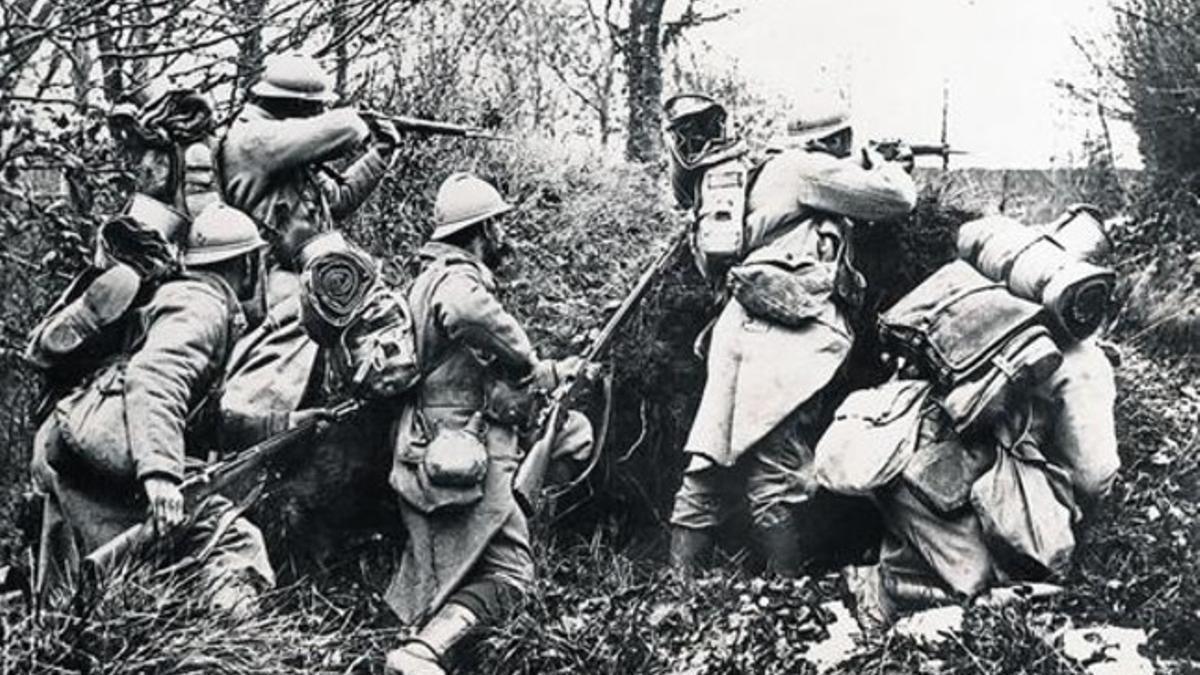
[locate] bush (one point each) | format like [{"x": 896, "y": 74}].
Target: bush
[{"x": 1159, "y": 53}]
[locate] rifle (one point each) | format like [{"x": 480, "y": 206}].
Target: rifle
[
  {"x": 893, "y": 148},
  {"x": 426, "y": 127},
  {"x": 212, "y": 480},
  {"x": 527, "y": 483}
]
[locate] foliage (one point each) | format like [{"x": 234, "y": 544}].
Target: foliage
[
  {"x": 1159, "y": 53},
  {"x": 597, "y": 611},
  {"x": 142, "y": 623}
]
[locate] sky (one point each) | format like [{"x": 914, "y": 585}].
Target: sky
[{"x": 999, "y": 60}]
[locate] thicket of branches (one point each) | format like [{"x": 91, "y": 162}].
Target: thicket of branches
[{"x": 591, "y": 71}]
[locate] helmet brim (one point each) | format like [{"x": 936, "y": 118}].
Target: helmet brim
[
  {"x": 208, "y": 256},
  {"x": 269, "y": 90},
  {"x": 447, "y": 229}
]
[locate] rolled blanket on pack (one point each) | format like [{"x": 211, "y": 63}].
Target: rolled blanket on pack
[
  {"x": 1038, "y": 268},
  {"x": 335, "y": 286},
  {"x": 1081, "y": 233}
]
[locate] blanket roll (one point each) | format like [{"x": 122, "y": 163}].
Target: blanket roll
[
  {"x": 1037, "y": 267},
  {"x": 335, "y": 287}
]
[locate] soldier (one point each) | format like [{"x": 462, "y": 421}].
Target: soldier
[
  {"x": 270, "y": 165},
  {"x": 770, "y": 364},
  {"x": 467, "y": 558},
  {"x": 113, "y": 450}
]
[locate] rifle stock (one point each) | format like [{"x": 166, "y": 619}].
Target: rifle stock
[
  {"x": 131, "y": 542},
  {"x": 527, "y": 483}
]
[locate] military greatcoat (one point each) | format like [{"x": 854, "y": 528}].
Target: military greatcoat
[{"x": 272, "y": 169}]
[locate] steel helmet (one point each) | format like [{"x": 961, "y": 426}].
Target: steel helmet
[
  {"x": 823, "y": 113},
  {"x": 219, "y": 233},
  {"x": 683, "y": 106},
  {"x": 462, "y": 201},
  {"x": 294, "y": 76}
]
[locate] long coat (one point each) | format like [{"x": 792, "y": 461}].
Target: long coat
[
  {"x": 760, "y": 372},
  {"x": 459, "y": 322},
  {"x": 176, "y": 348},
  {"x": 269, "y": 168}
]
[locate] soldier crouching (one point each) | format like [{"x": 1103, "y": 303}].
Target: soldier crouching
[
  {"x": 114, "y": 449},
  {"x": 988, "y": 457}
]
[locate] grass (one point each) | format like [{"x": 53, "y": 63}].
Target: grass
[{"x": 603, "y": 603}]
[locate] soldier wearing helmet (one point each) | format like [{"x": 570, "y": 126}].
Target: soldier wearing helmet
[
  {"x": 467, "y": 557},
  {"x": 780, "y": 223},
  {"x": 112, "y": 453},
  {"x": 270, "y": 164}
]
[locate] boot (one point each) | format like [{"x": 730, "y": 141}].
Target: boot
[
  {"x": 688, "y": 548},
  {"x": 781, "y": 545},
  {"x": 425, "y": 653},
  {"x": 105, "y": 300}
]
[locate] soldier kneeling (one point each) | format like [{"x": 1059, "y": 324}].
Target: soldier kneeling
[{"x": 113, "y": 450}]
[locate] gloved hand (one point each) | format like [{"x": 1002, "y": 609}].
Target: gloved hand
[
  {"x": 892, "y": 151},
  {"x": 872, "y": 158},
  {"x": 902, "y": 154},
  {"x": 383, "y": 132},
  {"x": 165, "y": 503},
  {"x": 323, "y": 417}
]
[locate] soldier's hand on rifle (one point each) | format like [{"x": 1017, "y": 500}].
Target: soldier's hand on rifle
[
  {"x": 166, "y": 503},
  {"x": 320, "y": 418},
  {"x": 892, "y": 151},
  {"x": 383, "y": 132},
  {"x": 902, "y": 154},
  {"x": 575, "y": 368}
]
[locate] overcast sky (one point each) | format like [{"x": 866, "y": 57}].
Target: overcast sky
[{"x": 1000, "y": 59}]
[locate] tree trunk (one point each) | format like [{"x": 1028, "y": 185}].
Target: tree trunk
[
  {"x": 250, "y": 47},
  {"x": 110, "y": 66},
  {"x": 643, "y": 63},
  {"x": 341, "y": 67},
  {"x": 81, "y": 69}
]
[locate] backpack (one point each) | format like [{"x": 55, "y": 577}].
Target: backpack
[
  {"x": 973, "y": 339},
  {"x": 92, "y": 415},
  {"x": 719, "y": 236},
  {"x": 366, "y": 326}
]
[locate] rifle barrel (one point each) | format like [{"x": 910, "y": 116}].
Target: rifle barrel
[
  {"x": 198, "y": 487},
  {"x": 420, "y": 125},
  {"x": 631, "y": 300}
]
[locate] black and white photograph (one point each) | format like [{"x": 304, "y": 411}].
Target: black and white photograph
[{"x": 599, "y": 337}]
